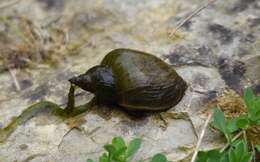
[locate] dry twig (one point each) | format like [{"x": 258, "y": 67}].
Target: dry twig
[
  {"x": 16, "y": 83},
  {"x": 232, "y": 140},
  {"x": 201, "y": 137},
  {"x": 65, "y": 136},
  {"x": 191, "y": 16}
]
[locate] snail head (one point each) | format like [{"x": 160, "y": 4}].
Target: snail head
[{"x": 98, "y": 79}]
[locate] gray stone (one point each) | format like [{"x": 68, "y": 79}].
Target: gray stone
[{"x": 216, "y": 50}]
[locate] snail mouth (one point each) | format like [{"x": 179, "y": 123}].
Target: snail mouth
[
  {"x": 74, "y": 80},
  {"x": 83, "y": 81}
]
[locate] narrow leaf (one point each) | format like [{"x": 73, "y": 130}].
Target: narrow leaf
[
  {"x": 110, "y": 149},
  {"x": 159, "y": 158},
  {"x": 240, "y": 150},
  {"x": 104, "y": 158},
  {"x": 133, "y": 146},
  {"x": 118, "y": 143},
  {"x": 249, "y": 97},
  {"x": 247, "y": 157},
  {"x": 232, "y": 156}
]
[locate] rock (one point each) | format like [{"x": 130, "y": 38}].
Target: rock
[{"x": 216, "y": 50}]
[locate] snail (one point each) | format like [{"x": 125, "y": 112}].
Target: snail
[{"x": 134, "y": 80}]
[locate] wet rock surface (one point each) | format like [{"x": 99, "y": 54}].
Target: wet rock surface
[{"x": 218, "y": 49}]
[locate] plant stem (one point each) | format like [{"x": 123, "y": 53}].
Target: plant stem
[
  {"x": 244, "y": 135},
  {"x": 201, "y": 137},
  {"x": 253, "y": 151},
  {"x": 232, "y": 140}
]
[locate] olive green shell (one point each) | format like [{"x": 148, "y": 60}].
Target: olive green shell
[{"x": 143, "y": 81}]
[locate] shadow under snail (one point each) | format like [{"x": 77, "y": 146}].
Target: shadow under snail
[{"x": 133, "y": 80}]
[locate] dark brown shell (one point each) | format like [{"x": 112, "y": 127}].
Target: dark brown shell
[{"x": 143, "y": 81}]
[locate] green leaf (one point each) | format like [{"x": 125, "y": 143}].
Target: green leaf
[
  {"x": 159, "y": 158},
  {"x": 258, "y": 114},
  {"x": 232, "y": 125},
  {"x": 110, "y": 149},
  {"x": 202, "y": 156},
  {"x": 90, "y": 160},
  {"x": 119, "y": 155},
  {"x": 118, "y": 143},
  {"x": 243, "y": 123},
  {"x": 232, "y": 156},
  {"x": 219, "y": 120},
  {"x": 249, "y": 98},
  {"x": 104, "y": 158},
  {"x": 257, "y": 148},
  {"x": 133, "y": 146},
  {"x": 220, "y": 123},
  {"x": 224, "y": 157},
  {"x": 120, "y": 151},
  {"x": 253, "y": 116},
  {"x": 257, "y": 102},
  {"x": 247, "y": 157},
  {"x": 258, "y": 122},
  {"x": 253, "y": 105},
  {"x": 239, "y": 152},
  {"x": 211, "y": 156}
]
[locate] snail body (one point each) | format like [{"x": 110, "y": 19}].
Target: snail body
[{"x": 134, "y": 80}]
